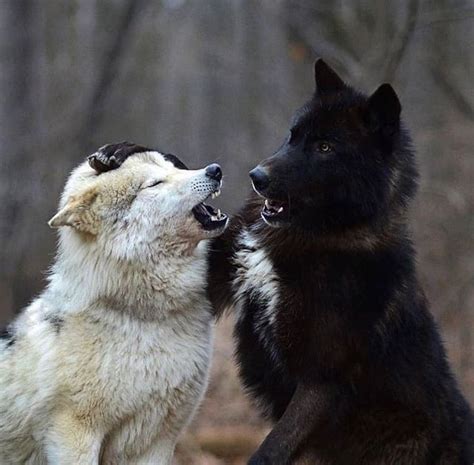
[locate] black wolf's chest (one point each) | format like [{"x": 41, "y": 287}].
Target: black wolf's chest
[
  {"x": 259, "y": 295},
  {"x": 257, "y": 290}
]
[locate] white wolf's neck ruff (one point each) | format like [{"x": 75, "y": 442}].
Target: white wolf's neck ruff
[{"x": 84, "y": 275}]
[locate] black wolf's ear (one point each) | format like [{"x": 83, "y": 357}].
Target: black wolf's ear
[
  {"x": 384, "y": 108},
  {"x": 326, "y": 78}
]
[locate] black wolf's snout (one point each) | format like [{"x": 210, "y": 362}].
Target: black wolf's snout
[
  {"x": 260, "y": 178},
  {"x": 214, "y": 171}
]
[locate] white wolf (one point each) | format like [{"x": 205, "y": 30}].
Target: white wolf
[{"x": 109, "y": 364}]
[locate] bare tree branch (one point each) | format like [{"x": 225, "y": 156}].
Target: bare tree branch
[
  {"x": 403, "y": 40},
  {"x": 452, "y": 19},
  {"x": 110, "y": 68},
  {"x": 453, "y": 93}
]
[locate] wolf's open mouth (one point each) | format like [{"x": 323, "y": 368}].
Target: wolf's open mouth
[
  {"x": 274, "y": 210},
  {"x": 208, "y": 216}
]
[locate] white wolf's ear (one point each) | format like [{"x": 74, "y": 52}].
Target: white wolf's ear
[{"x": 78, "y": 213}]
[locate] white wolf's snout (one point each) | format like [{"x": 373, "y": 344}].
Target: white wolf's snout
[
  {"x": 208, "y": 181},
  {"x": 205, "y": 185}
]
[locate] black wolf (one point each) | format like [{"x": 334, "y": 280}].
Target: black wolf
[{"x": 334, "y": 337}]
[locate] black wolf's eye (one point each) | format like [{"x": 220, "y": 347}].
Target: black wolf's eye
[{"x": 323, "y": 147}]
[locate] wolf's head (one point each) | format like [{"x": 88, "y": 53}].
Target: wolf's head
[
  {"x": 345, "y": 162},
  {"x": 151, "y": 204}
]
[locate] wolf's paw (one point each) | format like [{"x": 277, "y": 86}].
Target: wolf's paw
[{"x": 111, "y": 156}]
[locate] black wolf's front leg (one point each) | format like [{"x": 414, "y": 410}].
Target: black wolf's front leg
[
  {"x": 111, "y": 156},
  {"x": 310, "y": 407}
]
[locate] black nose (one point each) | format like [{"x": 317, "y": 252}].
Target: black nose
[
  {"x": 214, "y": 171},
  {"x": 259, "y": 178}
]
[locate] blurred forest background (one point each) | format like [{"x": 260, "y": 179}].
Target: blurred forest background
[{"x": 217, "y": 80}]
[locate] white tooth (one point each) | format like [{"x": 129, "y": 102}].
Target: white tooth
[
  {"x": 218, "y": 193},
  {"x": 218, "y": 213},
  {"x": 213, "y": 195},
  {"x": 280, "y": 209},
  {"x": 267, "y": 204}
]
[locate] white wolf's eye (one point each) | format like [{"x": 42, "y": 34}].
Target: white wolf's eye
[{"x": 152, "y": 183}]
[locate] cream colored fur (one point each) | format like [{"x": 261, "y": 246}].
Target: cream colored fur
[{"x": 109, "y": 364}]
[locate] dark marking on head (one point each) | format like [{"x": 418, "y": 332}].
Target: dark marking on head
[
  {"x": 175, "y": 160},
  {"x": 112, "y": 156}
]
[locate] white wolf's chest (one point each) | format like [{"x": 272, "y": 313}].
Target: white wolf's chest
[
  {"x": 142, "y": 365},
  {"x": 256, "y": 288}
]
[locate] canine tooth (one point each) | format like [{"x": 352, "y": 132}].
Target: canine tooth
[
  {"x": 219, "y": 214},
  {"x": 280, "y": 209},
  {"x": 267, "y": 204}
]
